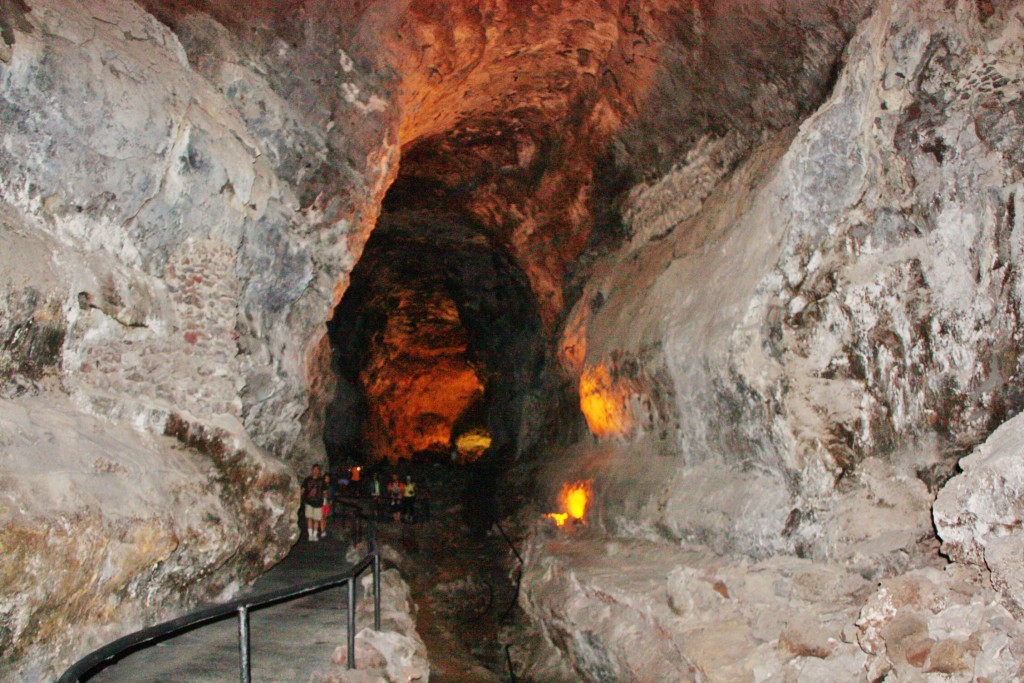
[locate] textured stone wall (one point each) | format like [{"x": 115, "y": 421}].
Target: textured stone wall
[
  {"x": 803, "y": 348},
  {"x": 848, "y": 292},
  {"x": 122, "y": 139},
  {"x": 194, "y": 366},
  {"x": 172, "y": 236}
]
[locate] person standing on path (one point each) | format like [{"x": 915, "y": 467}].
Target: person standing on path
[
  {"x": 314, "y": 488},
  {"x": 375, "y": 490},
  {"x": 409, "y": 500},
  {"x": 395, "y": 493},
  {"x": 325, "y": 510}
]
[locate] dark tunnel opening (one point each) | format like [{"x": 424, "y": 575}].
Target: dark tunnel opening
[{"x": 437, "y": 344}]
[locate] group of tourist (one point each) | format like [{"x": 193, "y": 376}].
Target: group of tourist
[
  {"x": 404, "y": 499},
  {"x": 401, "y": 500}
]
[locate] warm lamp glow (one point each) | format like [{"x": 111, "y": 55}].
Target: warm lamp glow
[
  {"x": 603, "y": 403},
  {"x": 559, "y": 517},
  {"x": 473, "y": 441},
  {"x": 418, "y": 380},
  {"x": 574, "y": 499}
]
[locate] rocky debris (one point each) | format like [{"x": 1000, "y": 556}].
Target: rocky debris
[
  {"x": 940, "y": 625},
  {"x": 979, "y": 513},
  {"x": 684, "y": 614},
  {"x": 396, "y": 653}
]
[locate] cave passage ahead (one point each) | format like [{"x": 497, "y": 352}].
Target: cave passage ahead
[{"x": 436, "y": 343}]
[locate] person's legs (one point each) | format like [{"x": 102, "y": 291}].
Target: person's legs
[{"x": 313, "y": 518}]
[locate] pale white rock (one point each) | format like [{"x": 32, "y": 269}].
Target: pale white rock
[
  {"x": 152, "y": 245},
  {"x": 979, "y": 513},
  {"x": 396, "y": 653},
  {"x": 823, "y": 334}
]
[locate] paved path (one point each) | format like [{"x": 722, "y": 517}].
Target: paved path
[
  {"x": 289, "y": 641},
  {"x": 292, "y": 640}
]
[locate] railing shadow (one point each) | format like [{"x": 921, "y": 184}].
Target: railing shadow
[{"x": 93, "y": 662}]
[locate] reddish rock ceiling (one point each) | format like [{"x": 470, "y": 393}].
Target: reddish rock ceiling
[
  {"x": 532, "y": 117},
  {"x": 521, "y": 126}
]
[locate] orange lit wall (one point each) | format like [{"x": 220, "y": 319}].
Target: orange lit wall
[
  {"x": 574, "y": 499},
  {"x": 604, "y": 402},
  {"x": 418, "y": 381}
]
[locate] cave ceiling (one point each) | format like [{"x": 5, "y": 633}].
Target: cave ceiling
[{"x": 532, "y": 118}]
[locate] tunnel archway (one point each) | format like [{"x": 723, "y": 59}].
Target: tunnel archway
[{"x": 437, "y": 337}]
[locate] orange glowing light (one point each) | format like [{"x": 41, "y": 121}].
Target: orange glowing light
[
  {"x": 475, "y": 441},
  {"x": 559, "y": 517},
  {"x": 418, "y": 380},
  {"x": 574, "y": 499},
  {"x": 604, "y": 403}
]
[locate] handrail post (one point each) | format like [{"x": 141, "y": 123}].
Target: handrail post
[
  {"x": 243, "y": 642},
  {"x": 351, "y": 619},
  {"x": 376, "y": 588}
]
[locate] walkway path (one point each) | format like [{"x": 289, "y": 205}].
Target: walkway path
[
  {"x": 289, "y": 641},
  {"x": 292, "y": 640}
]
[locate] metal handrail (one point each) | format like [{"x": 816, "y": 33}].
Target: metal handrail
[{"x": 147, "y": 637}]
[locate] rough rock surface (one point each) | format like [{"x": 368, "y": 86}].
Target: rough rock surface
[
  {"x": 396, "y": 653},
  {"x": 847, "y": 293},
  {"x": 979, "y": 513},
  {"x": 682, "y": 613},
  {"x": 114, "y": 528},
  {"x": 437, "y": 335},
  {"x": 187, "y": 180},
  {"x": 811, "y": 316},
  {"x": 782, "y": 367},
  {"x": 168, "y": 262}
]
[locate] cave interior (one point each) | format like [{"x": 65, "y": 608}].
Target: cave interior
[{"x": 715, "y": 301}]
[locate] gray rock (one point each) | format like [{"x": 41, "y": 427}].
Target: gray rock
[{"x": 979, "y": 513}]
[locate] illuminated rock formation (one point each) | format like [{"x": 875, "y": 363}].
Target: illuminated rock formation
[
  {"x": 417, "y": 381},
  {"x": 750, "y": 267},
  {"x": 819, "y": 339}
]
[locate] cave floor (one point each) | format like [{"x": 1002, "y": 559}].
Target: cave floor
[
  {"x": 458, "y": 580},
  {"x": 460, "y": 594},
  {"x": 290, "y": 641}
]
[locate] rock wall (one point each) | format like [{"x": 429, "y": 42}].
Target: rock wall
[
  {"x": 175, "y": 218},
  {"x": 780, "y": 371},
  {"x": 847, "y": 293}
]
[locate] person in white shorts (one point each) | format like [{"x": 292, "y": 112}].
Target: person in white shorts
[{"x": 314, "y": 488}]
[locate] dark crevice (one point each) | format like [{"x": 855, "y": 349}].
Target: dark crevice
[{"x": 437, "y": 336}]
